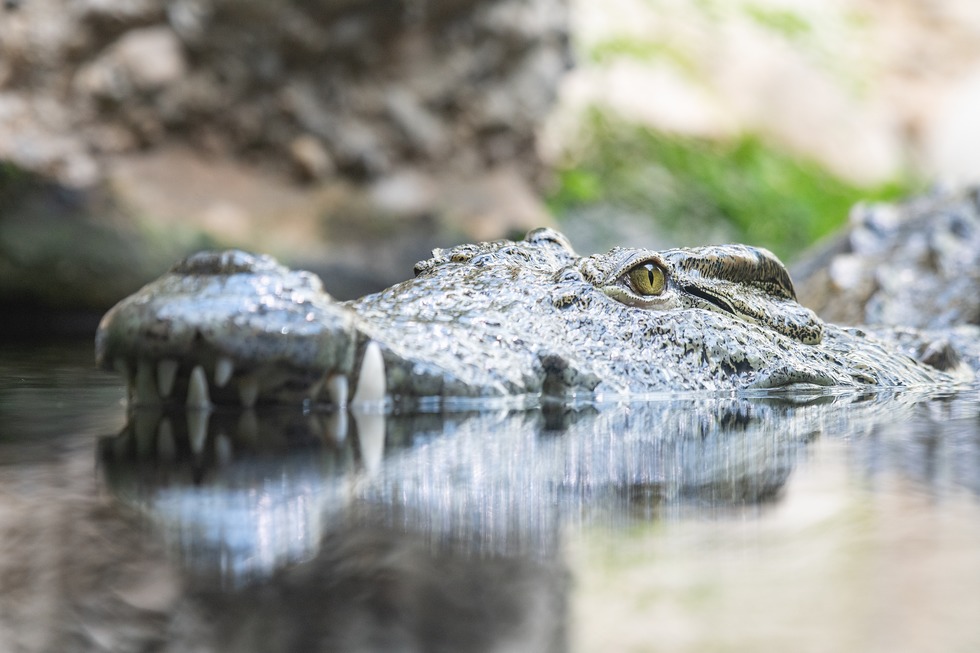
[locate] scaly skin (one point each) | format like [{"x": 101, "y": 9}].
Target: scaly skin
[
  {"x": 913, "y": 264},
  {"x": 525, "y": 319}
]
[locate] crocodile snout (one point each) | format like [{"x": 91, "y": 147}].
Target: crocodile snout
[{"x": 234, "y": 328}]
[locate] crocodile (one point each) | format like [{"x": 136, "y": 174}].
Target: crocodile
[
  {"x": 524, "y": 320},
  {"x": 912, "y": 264}
]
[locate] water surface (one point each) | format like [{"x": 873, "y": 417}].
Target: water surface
[{"x": 807, "y": 522}]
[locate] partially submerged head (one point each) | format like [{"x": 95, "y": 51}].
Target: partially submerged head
[{"x": 526, "y": 318}]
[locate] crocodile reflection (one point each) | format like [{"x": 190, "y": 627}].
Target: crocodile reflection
[
  {"x": 247, "y": 493},
  {"x": 936, "y": 447}
]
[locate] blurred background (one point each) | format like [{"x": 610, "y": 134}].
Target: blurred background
[{"x": 352, "y": 136}]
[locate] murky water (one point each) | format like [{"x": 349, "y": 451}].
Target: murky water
[{"x": 779, "y": 523}]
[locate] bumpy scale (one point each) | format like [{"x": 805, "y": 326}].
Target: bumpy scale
[{"x": 526, "y": 319}]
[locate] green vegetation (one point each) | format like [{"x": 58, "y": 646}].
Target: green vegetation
[
  {"x": 766, "y": 196},
  {"x": 619, "y": 48},
  {"x": 786, "y": 23}
]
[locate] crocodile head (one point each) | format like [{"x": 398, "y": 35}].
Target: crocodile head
[{"x": 527, "y": 318}]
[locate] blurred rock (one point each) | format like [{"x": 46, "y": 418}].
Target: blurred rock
[
  {"x": 170, "y": 125},
  {"x": 458, "y": 85},
  {"x": 311, "y": 157},
  {"x": 141, "y": 61},
  {"x": 118, "y": 12}
]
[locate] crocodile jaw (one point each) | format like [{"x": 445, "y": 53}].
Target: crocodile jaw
[{"x": 234, "y": 328}]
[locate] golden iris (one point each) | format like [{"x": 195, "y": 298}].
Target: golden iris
[{"x": 647, "y": 279}]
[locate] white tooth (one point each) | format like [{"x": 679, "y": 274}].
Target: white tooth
[
  {"x": 223, "y": 370},
  {"x": 166, "y": 446},
  {"x": 371, "y": 381},
  {"x": 337, "y": 389},
  {"x": 371, "y": 438},
  {"x": 197, "y": 389},
  {"x": 197, "y": 429},
  {"x": 166, "y": 373},
  {"x": 337, "y": 426},
  {"x": 146, "y": 389},
  {"x": 248, "y": 390}
]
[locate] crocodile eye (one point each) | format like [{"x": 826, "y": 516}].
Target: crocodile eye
[{"x": 647, "y": 280}]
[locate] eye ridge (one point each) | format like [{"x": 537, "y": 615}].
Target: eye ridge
[{"x": 647, "y": 280}]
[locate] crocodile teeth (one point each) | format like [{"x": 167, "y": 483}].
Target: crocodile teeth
[
  {"x": 371, "y": 381},
  {"x": 337, "y": 426},
  {"x": 146, "y": 390},
  {"x": 166, "y": 374},
  {"x": 197, "y": 390},
  {"x": 223, "y": 370},
  {"x": 337, "y": 389},
  {"x": 197, "y": 429},
  {"x": 248, "y": 390},
  {"x": 371, "y": 440}
]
